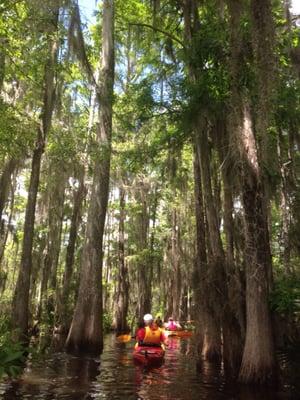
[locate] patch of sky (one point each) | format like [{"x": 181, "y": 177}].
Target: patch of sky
[
  {"x": 88, "y": 10},
  {"x": 295, "y": 7}
]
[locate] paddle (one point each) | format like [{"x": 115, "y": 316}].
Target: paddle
[
  {"x": 124, "y": 338},
  {"x": 146, "y": 352}
]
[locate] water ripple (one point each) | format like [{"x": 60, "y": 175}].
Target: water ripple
[{"x": 114, "y": 376}]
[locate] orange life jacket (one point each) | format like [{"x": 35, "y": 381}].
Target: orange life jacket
[{"x": 152, "y": 335}]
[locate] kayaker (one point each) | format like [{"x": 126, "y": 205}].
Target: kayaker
[
  {"x": 159, "y": 322},
  {"x": 151, "y": 334},
  {"x": 172, "y": 325}
]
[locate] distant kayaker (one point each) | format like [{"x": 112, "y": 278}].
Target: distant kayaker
[
  {"x": 151, "y": 334},
  {"x": 159, "y": 322},
  {"x": 172, "y": 325}
]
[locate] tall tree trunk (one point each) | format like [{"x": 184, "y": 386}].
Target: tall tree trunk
[
  {"x": 286, "y": 208},
  {"x": 5, "y": 182},
  {"x": 233, "y": 326},
  {"x": 215, "y": 273},
  {"x": 142, "y": 223},
  {"x": 216, "y": 300},
  {"x": 6, "y": 229},
  {"x": 200, "y": 265},
  {"x": 258, "y": 363},
  {"x": 56, "y": 193},
  {"x": 107, "y": 278},
  {"x": 38, "y": 252},
  {"x": 184, "y": 303},
  {"x": 152, "y": 261},
  {"x": 21, "y": 296},
  {"x": 3, "y": 42},
  {"x": 221, "y": 139},
  {"x": 123, "y": 281},
  {"x": 175, "y": 263},
  {"x": 5, "y": 185},
  {"x": 263, "y": 35},
  {"x": 263, "y": 39},
  {"x": 20, "y": 306},
  {"x": 86, "y": 332},
  {"x": 64, "y": 308},
  {"x": 53, "y": 249},
  {"x": 211, "y": 349}
]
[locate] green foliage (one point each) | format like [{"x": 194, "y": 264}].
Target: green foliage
[
  {"x": 107, "y": 322},
  {"x": 285, "y": 298},
  {"x": 16, "y": 134},
  {"x": 155, "y": 106},
  {"x": 12, "y": 355}
]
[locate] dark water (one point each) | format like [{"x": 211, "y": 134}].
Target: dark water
[{"x": 114, "y": 376}]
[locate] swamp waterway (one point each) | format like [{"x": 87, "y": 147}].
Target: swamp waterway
[{"x": 114, "y": 376}]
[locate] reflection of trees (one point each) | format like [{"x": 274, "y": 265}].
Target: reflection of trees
[
  {"x": 115, "y": 376},
  {"x": 57, "y": 377}
]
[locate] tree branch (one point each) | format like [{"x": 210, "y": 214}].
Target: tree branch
[{"x": 160, "y": 31}]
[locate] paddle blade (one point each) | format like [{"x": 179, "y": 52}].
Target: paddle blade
[{"x": 123, "y": 338}]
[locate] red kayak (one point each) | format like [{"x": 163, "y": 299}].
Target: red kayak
[{"x": 148, "y": 355}]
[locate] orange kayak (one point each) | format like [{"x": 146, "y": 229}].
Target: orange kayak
[
  {"x": 179, "y": 333},
  {"x": 148, "y": 355}
]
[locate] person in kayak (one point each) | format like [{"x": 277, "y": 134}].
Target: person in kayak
[
  {"x": 151, "y": 335},
  {"x": 172, "y": 325},
  {"x": 159, "y": 322}
]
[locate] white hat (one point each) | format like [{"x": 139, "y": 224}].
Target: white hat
[{"x": 148, "y": 318}]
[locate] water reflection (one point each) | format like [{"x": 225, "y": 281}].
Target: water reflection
[
  {"x": 59, "y": 377},
  {"x": 115, "y": 377}
]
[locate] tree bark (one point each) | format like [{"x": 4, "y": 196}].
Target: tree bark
[
  {"x": 200, "y": 265},
  {"x": 123, "y": 281},
  {"x": 152, "y": 261},
  {"x": 175, "y": 262},
  {"x": 56, "y": 193},
  {"x": 3, "y": 43},
  {"x": 258, "y": 362},
  {"x": 285, "y": 206},
  {"x": 20, "y": 308},
  {"x": 107, "y": 278},
  {"x": 222, "y": 144},
  {"x": 6, "y": 229},
  {"x": 86, "y": 332},
  {"x": 64, "y": 309},
  {"x": 263, "y": 39},
  {"x": 5, "y": 182},
  {"x": 215, "y": 273},
  {"x": 142, "y": 224},
  {"x": 5, "y": 185},
  {"x": 211, "y": 349},
  {"x": 21, "y": 296},
  {"x": 233, "y": 325}
]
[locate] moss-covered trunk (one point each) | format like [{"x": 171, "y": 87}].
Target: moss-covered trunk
[{"x": 86, "y": 333}]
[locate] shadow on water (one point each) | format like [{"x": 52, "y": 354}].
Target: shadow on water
[{"x": 115, "y": 377}]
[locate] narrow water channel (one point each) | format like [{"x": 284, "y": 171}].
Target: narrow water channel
[{"x": 114, "y": 376}]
